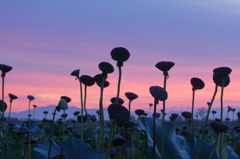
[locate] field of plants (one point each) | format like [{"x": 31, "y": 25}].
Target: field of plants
[{"x": 151, "y": 136}]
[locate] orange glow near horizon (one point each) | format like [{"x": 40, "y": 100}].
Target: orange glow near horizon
[{"x": 47, "y": 89}]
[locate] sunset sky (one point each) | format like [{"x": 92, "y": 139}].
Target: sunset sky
[{"x": 44, "y": 41}]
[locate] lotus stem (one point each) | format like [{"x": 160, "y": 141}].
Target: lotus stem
[
  {"x": 119, "y": 83},
  {"x": 52, "y": 125},
  {"x": 193, "y": 99},
  {"x": 81, "y": 101},
  {"x": 111, "y": 136},
  {"x": 163, "y": 118},
  {"x": 89, "y": 121},
  {"x": 130, "y": 141},
  {"x": 9, "y": 114},
  {"x": 64, "y": 123},
  {"x": 206, "y": 121},
  {"x": 214, "y": 148},
  {"x": 154, "y": 130},
  {"x": 101, "y": 142},
  {"x": 3, "y": 129},
  {"x": 221, "y": 118}
]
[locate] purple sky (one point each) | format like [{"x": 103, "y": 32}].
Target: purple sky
[{"x": 45, "y": 40}]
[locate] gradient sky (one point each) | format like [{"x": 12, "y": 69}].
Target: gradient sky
[{"x": 44, "y": 41}]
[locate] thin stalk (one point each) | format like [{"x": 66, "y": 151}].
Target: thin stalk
[
  {"x": 64, "y": 123},
  {"x": 3, "y": 129},
  {"x": 193, "y": 98},
  {"x": 221, "y": 118},
  {"x": 130, "y": 141},
  {"x": 163, "y": 119},
  {"x": 33, "y": 113},
  {"x": 88, "y": 118},
  {"x": 101, "y": 141},
  {"x": 111, "y": 136},
  {"x": 206, "y": 121},
  {"x": 119, "y": 83},
  {"x": 214, "y": 148},
  {"x": 52, "y": 125},
  {"x": 10, "y": 107},
  {"x": 154, "y": 130},
  {"x": 81, "y": 101}
]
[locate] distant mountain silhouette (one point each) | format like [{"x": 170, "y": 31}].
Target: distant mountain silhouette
[{"x": 50, "y": 108}]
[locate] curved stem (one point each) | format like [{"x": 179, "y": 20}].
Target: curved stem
[
  {"x": 119, "y": 83},
  {"x": 163, "y": 119},
  {"x": 206, "y": 121},
  {"x": 193, "y": 98},
  {"x": 101, "y": 142},
  {"x": 214, "y": 148},
  {"x": 52, "y": 125},
  {"x": 9, "y": 114},
  {"x": 88, "y": 118},
  {"x": 111, "y": 136},
  {"x": 3, "y": 129},
  {"x": 81, "y": 101},
  {"x": 154, "y": 129},
  {"x": 221, "y": 118}
]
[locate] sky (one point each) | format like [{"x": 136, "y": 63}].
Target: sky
[{"x": 44, "y": 41}]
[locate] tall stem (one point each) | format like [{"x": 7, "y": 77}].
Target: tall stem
[
  {"x": 3, "y": 129},
  {"x": 81, "y": 101},
  {"x": 101, "y": 142},
  {"x": 88, "y": 118},
  {"x": 221, "y": 118},
  {"x": 193, "y": 98},
  {"x": 163, "y": 118},
  {"x": 214, "y": 147},
  {"x": 206, "y": 121},
  {"x": 9, "y": 114},
  {"x": 111, "y": 136},
  {"x": 130, "y": 140},
  {"x": 154, "y": 129},
  {"x": 119, "y": 83}
]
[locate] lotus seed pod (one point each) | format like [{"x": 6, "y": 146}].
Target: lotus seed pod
[
  {"x": 156, "y": 115},
  {"x": 187, "y": 115},
  {"x": 120, "y": 55},
  {"x": 222, "y": 71},
  {"x": 67, "y": 99},
  {"x": 62, "y": 104},
  {"x": 3, "y": 106},
  {"x": 87, "y": 80},
  {"x": 106, "y": 68},
  {"x": 5, "y": 68},
  {"x": 84, "y": 118},
  {"x": 12, "y": 97},
  {"x": 158, "y": 93},
  {"x": 75, "y": 73},
  {"x": 120, "y": 100},
  {"x": 219, "y": 127},
  {"x": 118, "y": 140},
  {"x": 30, "y": 97},
  {"x": 119, "y": 113},
  {"x": 131, "y": 96},
  {"x": 165, "y": 66},
  {"x": 197, "y": 83},
  {"x": 218, "y": 80},
  {"x": 139, "y": 112}
]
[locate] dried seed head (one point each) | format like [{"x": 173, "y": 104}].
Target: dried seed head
[
  {"x": 187, "y": 115},
  {"x": 87, "y": 80},
  {"x": 75, "y": 73},
  {"x": 67, "y": 99},
  {"x": 120, "y": 55},
  {"x": 12, "y": 97},
  {"x": 62, "y": 104},
  {"x": 119, "y": 101},
  {"x": 165, "y": 66},
  {"x": 156, "y": 115},
  {"x": 139, "y": 112},
  {"x": 197, "y": 83},
  {"x": 106, "y": 68},
  {"x": 118, "y": 140},
  {"x": 3, "y": 106},
  {"x": 119, "y": 113},
  {"x": 158, "y": 93},
  {"x": 214, "y": 112},
  {"x": 5, "y": 68},
  {"x": 131, "y": 96},
  {"x": 219, "y": 80},
  {"x": 219, "y": 127},
  {"x": 30, "y": 97},
  {"x": 222, "y": 71}
]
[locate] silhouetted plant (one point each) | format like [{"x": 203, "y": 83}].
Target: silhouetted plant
[
  {"x": 76, "y": 73},
  {"x": 12, "y": 97},
  {"x": 197, "y": 84},
  {"x": 213, "y": 112},
  {"x": 156, "y": 115},
  {"x": 34, "y": 107},
  {"x": 4, "y": 68},
  {"x": 164, "y": 66},
  {"x": 30, "y": 98},
  {"x": 158, "y": 93},
  {"x": 140, "y": 112},
  {"x": 150, "y": 106},
  {"x": 118, "y": 100},
  {"x": 45, "y": 114}
]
